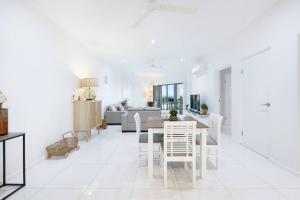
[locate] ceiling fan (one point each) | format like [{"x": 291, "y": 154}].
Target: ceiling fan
[{"x": 155, "y": 6}]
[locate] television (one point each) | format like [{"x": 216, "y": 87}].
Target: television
[{"x": 195, "y": 102}]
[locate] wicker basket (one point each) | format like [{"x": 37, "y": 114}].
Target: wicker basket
[{"x": 64, "y": 146}]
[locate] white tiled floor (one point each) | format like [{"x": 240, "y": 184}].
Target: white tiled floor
[{"x": 106, "y": 168}]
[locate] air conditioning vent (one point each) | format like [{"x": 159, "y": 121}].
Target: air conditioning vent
[{"x": 199, "y": 70}]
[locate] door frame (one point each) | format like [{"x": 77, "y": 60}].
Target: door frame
[
  {"x": 220, "y": 92},
  {"x": 218, "y": 88}
]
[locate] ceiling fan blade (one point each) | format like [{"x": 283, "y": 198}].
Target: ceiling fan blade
[
  {"x": 177, "y": 8},
  {"x": 141, "y": 19}
]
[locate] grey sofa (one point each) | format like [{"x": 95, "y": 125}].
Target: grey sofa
[
  {"x": 128, "y": 123},
  {"x": 113, "y": 113},
  {"x": 113, "y": 117}
]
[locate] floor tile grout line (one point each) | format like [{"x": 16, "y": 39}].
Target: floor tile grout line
[
  {"x": 133, "y": 186},
  {"x": 91, "y": 182},
  {"x": 253, "y": 173},
  {"x": 283, "y": 195},
  {"x": 87, "y": 187},
  {"x": 44, "y": 185},
  {"x": 233, "y": 160}
]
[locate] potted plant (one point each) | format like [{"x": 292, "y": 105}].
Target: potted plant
[
  {"x": 204, "y": 109},
  {"x": 173, "y": 114}
]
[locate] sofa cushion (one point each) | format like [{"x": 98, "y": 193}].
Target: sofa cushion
[
  {"x": 152, "y": 109},
  {"x": 120, "y": 108},
  {"x": 112, "y": 108},
  {"x": 135, "y": 109},
  {"x": 144, "y": 115}
]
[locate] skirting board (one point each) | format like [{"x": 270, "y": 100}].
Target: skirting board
[
  {"x": 114, "y": 123},
  {"x": 276, "y": 162},
  {"x": 29, "y": 166},
  {"x": 283, "y": 166}
]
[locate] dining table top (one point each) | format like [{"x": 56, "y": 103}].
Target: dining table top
[{"x": 158, "y": 122}]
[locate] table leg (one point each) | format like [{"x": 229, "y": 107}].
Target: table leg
[
  {"x": 4, "y": 164},
  {"x": 150, "y": 153},
  {"x": 203, "y": 152},
  {"x": 24, "y": 162}
]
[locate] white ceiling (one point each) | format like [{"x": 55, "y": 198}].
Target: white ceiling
[{"x": 104, "y": 26}]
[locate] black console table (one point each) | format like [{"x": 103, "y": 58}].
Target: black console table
[{"x": 4, "y": 139}]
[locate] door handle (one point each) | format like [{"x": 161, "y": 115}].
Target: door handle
[{"x": 266, "y": 104}]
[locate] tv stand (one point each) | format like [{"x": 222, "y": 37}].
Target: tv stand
[
  {"x": 197, "y": 115},
  {"x": 193, "y": 111}
]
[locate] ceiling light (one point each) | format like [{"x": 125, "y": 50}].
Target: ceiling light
[
  {"x": 181, "y": 59},
  {"x": 153, "y": 41}
]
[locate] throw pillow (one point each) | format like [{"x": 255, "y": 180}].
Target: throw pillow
[
  {"x": 120, "y": 108},
  {"x": 113, "y": 108},
  {"x": 108, "y": 108}
]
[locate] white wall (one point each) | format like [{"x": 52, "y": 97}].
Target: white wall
[
  {"x": 127, "y": 88},
  {"x": 278, "y": 29},
  {"x": 110, "y": 91},
  {"x": 40, "y": 67}
]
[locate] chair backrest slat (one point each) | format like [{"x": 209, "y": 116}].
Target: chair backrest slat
[{"x": 179, "y": 138}]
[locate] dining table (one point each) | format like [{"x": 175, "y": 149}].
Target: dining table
[{"x": 156, "y": 125}]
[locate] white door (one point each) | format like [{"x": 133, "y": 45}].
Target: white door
[{"x": 256, "y": 105}]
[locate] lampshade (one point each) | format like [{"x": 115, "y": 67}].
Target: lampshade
[
  {"x": 149, "y": 94},
  {"x": 88, "y": 82}
]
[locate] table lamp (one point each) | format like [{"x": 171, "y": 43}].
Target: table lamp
[{"x": 89, "y": 83}]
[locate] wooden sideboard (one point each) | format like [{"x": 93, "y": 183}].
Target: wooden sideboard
[{"x": 87, "y": 115}]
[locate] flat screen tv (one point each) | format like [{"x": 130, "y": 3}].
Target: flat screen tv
[{"x": 195, "y": 102}]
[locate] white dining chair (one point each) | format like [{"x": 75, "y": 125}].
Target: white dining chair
[
  {"x": 179, "y": 146},
  {"x": 143, "y": 137},
  {"x": 213, "y": 137}
]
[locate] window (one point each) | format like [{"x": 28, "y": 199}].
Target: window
[{"x": 169, "y": 96}]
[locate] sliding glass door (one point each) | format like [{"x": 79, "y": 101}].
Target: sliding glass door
[{"x": 169, "y": 96}]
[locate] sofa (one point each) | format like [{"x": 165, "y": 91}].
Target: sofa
[
  {"x": 113, "y": 117},
  {"x": 113, "y": 113},
  {"x": 128, "y": 123}
]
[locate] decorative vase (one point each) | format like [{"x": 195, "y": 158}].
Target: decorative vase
[
  {"x": 3, "y": 121},
  {"x": 150, "y": 104},
  {"x": 173, "y": 118},
  {"x": 204, "y": 111}
]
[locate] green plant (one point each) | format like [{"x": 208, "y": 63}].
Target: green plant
[
  {"x": 173, "y": 112},
  {"x": 204, "y": 106},
  {"x": 124, "y": 103}
]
